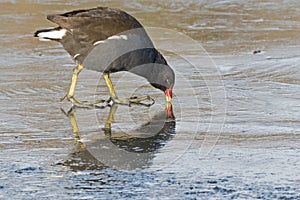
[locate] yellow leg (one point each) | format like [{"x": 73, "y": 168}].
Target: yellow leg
[
  {"x": 70, "y": 95},
  {"x": 132, "y": 100},
  {"x": 76, "y": 72},
  {"x": 110, "y": 86}
]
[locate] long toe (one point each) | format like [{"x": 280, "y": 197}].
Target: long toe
[
  {"x": 88, "y": 104},
  {"x": 143, "y": 100}
]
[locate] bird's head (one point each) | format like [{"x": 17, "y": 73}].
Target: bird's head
[
  {"x": 168, "y": 94},
  {"x": 159, "y": 75},
  {"x": 164, "y": 80}
]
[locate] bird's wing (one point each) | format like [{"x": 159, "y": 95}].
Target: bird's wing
[
  {"x": 86, "y": 27},
  {"x": 97, "y": 23}
]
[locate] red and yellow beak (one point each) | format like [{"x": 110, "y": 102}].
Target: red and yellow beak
[
  {"x": 169, "y": 107},
  {"x": 168, "y": 94},
  {"x": 169, "y": 111}
]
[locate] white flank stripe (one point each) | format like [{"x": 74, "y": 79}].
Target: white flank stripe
[
  {"x": 98, "y": 42},
  {"x": 114, "y": 37},
  {"x": 76, "y": 55},
  {"x": 118, "y": 37},
  {"x": 55, "y": 34}
]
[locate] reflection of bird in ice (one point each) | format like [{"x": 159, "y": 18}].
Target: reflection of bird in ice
[
  {"x": 151, "y": 135},
  {"x": 109, "y": 40},
  {"x": 123, "y": 151}
]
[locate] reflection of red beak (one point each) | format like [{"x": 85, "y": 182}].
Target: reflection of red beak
[
  {"x": 168, "y": 94},
  {"x": 169, "y": 111}
]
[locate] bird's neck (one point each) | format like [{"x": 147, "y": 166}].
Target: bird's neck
[
  {"x": 154, "y": 73},
  {"x": 148, "y": 71}
]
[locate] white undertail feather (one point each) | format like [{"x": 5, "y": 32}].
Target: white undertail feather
[{"x": 55, "y": 34}]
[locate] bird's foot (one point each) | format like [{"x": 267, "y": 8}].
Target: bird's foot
[
  {"x": 143, "y": 100},
  {"x": 135, "y": 100},
  {"x": 85, "y": 103}
]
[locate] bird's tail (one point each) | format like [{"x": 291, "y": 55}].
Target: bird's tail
[{"x": 50, "y": 34}]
